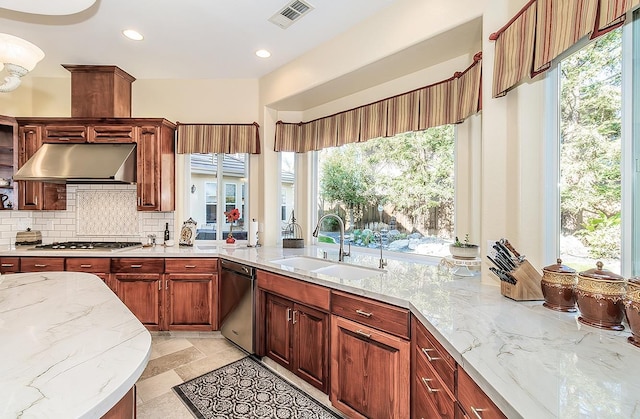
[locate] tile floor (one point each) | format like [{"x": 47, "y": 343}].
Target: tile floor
[{"x": 180, "y": 356}]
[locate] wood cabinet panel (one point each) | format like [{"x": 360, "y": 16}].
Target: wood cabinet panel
[
  {"x": 9, "y": 265},
  {"x": 311, "y": 345},
  {"x": 116, "y": 133},
  {"x": 191, "y": 265},
  {"x": 97, "y": 266},
  {"x": 41, "y": 264},
  {"x": 473, "y": 400},
  {"x": 382, "y": 316},
  {"x": 278, "y": 329},
  {"x": 301, "y": 291},
  {"x": 190, "y": 301},
  {"x": 369, "y": 371},
  {"x": 65, "y": 134},
  {"x": 137, "y": 265},
  {"x": 434, "y": 353},
  {"x": 141, "y": 293}
]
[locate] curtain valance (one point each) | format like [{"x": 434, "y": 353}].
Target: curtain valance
[
  {"x": 447, "y": 102},
  {"x": 218, "y": 138},
  {"x": 544, "y": 29}
]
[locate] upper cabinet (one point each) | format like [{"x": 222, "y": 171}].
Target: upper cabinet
[
  {"x": 8, "y": 160},
  {"x": 156, "y": 166}
]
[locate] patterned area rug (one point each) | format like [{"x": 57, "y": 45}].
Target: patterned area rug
[{"x": 247, "y": 389}]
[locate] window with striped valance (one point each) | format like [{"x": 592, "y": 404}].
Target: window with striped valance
[
  {"x": 218, "y": 138},
  {"x": 544, "y": 29},
  {"x": 447, "y": 102}
]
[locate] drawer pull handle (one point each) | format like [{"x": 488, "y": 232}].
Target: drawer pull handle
[
  {"x": 288, "y": 315},
  {"x": 190, "y": 266},
  {"x": 429, "y": 389},
  {"x": 85, "y": 266},
  {"x": 364, "y": 313},
  {"x": 40, "y": 265},
  {"x": 430, "y": 358},
  {"x": 136, "y": 266},
  {"x": 477, "y": 412},
  {"x": 361, "y": 333},
  {"x": 7, "y": 265}
]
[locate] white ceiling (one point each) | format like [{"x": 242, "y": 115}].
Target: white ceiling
[{"x": 184, "y": 39}]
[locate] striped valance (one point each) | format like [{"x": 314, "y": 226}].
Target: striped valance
[
  {"x": 218, "y": 138},
  {"x": 544, "y": 29},
  {"x": 447, "y": 102}
]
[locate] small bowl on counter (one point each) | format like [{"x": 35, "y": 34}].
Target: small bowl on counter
[
  {"x": 600, "y": 295},
  {"x": 558, "y": 287},
  {"x": 632, "y": 310}
]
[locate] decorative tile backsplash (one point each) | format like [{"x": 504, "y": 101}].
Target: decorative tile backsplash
[{"x": 94, "y": 212}]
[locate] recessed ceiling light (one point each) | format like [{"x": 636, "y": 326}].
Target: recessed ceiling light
[
  {"x": 133, "y": 35},
  {"x": 263, "y": 53}
]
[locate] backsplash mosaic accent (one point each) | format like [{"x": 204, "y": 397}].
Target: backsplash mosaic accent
[
  {"x": 117, "y": 209},
  {"x": 109, "y": 212}
]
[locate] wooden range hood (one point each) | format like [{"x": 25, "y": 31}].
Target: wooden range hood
[{"x": 100, "y": 91}]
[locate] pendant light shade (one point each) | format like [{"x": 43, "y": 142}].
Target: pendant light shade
[{"x": 18, "y": 57}]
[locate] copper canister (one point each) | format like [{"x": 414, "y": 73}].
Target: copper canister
[
  {"x": 600, "y": 296},
  {"x": 632, "y": 310},
  {"x": 558, "y": 287}
]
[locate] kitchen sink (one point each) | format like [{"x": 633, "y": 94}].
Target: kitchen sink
[
  {"x": 348, "y": 271},
  {"x": 304, "y": 262},
  {"x": 327, "y": 267}
]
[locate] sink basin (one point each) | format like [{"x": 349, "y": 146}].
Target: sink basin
[
  {"x": 304, "y": 262},
  {"x": 348, "y": 271}
]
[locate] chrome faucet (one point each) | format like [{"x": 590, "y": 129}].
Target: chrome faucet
[
  {"x": 382, "y": 262},
  {"x": 341, "y": 252}
]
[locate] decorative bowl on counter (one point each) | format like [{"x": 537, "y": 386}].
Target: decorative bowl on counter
[
  {"x": 467, "y": 251},
  {"x": 632, "y": 310},
  {"x": 558, "y": 287},
  {"x": 600, "y": 296}
]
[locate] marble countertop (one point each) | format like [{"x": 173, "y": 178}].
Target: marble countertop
[
  {"x": 69, "y": 348},
  {"x": 532, "y": 362}
]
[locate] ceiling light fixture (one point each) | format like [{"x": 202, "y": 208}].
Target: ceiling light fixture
[
  {"x": 19, "y": 57},
  {"x": 263, "y": 53},
  {"x": 133, "y": 34}
]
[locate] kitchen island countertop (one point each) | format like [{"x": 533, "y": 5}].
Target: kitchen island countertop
[
  {"x": 532, "y": 362},
  {"x": 69, "y": 347}
]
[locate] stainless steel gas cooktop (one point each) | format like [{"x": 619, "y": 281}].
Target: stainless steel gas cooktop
[{"x": 102, "y": 246}]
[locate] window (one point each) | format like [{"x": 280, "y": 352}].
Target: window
[
  {"x": 287, "y": 186},
  {"x": 401, "y": 187},
  {"x": 213, "y": 176},
  {"x": 590, "y": 154}
]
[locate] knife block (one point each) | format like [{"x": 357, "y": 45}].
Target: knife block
[{"x": 528, "y": 286}]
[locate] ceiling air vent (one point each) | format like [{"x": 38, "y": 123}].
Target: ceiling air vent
[{"x": 291, "y": 13}]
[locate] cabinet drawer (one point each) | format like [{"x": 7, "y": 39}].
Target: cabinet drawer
[
  {"x": 382, "y": 316},
  {"x": 431, "y": 391},
  {"x": 65, "y": 134},
  {"x": 137, "y": 265},
  {"x": 94, "y": 265},
  {"x": 9, "y": 265},
  {"x": 430, "y": 350},
  {"x": 112, "y": 134},
  {"x": 28, "y": 264},
  {"x": 193, "y": 265},
  {"x": 474, "y": 401},
  {"x": 300, "y": 291}
]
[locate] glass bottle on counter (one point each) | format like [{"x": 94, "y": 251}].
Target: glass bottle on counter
[{"x": 166, "y": 232}]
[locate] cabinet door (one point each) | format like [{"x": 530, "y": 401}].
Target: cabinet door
[
  {"x": 148, "y": 170},
  {"x": 141, "y": 294},
  {"x": 369, "y": 371},
  {"x": 113, "y": 134},
  {"x": 30, "y": 140},
  {"x": 189, "y": 301},
  {"x": 311, "y": 345},
  {"x": 278, "y": 329},
  {"x": 474, "y": 401}
]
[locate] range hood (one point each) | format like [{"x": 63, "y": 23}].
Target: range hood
[{"x": 81, "y": 163}]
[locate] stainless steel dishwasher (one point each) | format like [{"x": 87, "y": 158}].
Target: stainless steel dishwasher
[{"x": 236, "y": 304}]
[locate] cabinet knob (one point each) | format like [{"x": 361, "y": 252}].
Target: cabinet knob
[{"x": 426, "y": 383}]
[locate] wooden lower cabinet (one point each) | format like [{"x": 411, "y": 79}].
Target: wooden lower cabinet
[
  {"x": 9, "y": 265},
  {"x": 297, "y": 337},
  {"x": 41, "y": 264},
  {"x": 189, "y": 302},
  {"x": 100, "y": 267},
  {"x": 370, "y": 371},
  {"x": 141, "y": 293}
]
